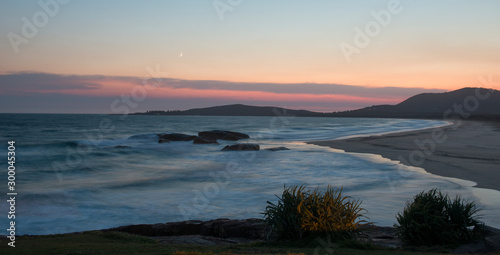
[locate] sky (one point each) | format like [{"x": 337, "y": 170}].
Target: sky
[{"x": 89, "y": 56}]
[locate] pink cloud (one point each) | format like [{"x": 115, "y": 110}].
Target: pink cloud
[{"x": 324, "y": 97}]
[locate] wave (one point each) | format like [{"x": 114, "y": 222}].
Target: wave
[{"x": 144, "y": 137}]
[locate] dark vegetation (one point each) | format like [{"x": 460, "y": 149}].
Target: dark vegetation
[
  {"x": 301, "y": 213},
  {"x": 434, "y": 219}
]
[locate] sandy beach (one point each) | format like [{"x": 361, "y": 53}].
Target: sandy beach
[{"x": 467, "y": 150}]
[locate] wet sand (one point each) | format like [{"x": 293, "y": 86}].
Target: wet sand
[{"x": 468, "y": 150}]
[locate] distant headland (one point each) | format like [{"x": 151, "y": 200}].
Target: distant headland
[{"x": 466, "y": 103}]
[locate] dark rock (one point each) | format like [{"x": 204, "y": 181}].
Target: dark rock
[
  {"x": 223, "y": 135},
  {"x": 477, "y": 246},
  {"x": 201, "y": 140},
  {"x": 249, "y": 228},
  {"x": 387, "y": 237},
  {"x": 176, "y": 137},
  {"x": 141, "y": 229},
  {"x": 168, "y": 229},
  {"x": 380, "y": 236},
  {"x": 490, "y": 243},
  {"x": 278, "y": 149},
  {"x": 223, "y": 228},
  {"x": 227, "y": 231},
  {"x": 493, "y": 237},
  {"x": 122, "y": 147},
  {"x": 191, "y": 227},
  {"x": 242, "y": 147}
]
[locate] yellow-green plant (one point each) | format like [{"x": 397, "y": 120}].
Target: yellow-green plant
[
  {"x": 331, "y": 212},
  {"x": 283, "y": 217},
  {"x": 300, "y": 212}
]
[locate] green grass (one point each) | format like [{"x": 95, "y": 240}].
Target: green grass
[{"x": 96, "y": 242}]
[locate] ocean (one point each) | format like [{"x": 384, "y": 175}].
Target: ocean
[{"x": 87, "y": 172}]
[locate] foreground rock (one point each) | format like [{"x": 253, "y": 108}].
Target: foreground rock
[
  {"x": 227, "y": 231},
  {"x": 253, "y": 229},
  {"x": 222, "y": 135},
  {"x": 242, "y": 147},
  {"x": 175, "y": 137},
  {"x": 380, "y": 236},
  {"x": 491, "y": 243}
]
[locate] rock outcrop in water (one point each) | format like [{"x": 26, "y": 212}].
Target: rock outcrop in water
[
  {"x": 176, "y": 137},
  {"x": 205, "y": 137},
  {"x": 122, "y": 147},
  {"x": 277, "y": 149},
  {"x": 201, "y": 140},
  {"x": 222, "y": 135},
  {"x": 242, "y": 147}
]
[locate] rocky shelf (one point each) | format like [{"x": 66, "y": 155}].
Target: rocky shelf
[{"x": 230, "y": 231}]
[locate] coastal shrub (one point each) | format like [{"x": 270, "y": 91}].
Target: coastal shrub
[
  {"x": 284, "y": 217},
  {"x": 300, "y": 213},
  {"x": 434, "y": 219}
]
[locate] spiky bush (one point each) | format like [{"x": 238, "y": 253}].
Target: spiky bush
[
  {"x": 284, "y": 217},
  {"x": 434, "y": 219},
  {"x": 300, "y": 212}
]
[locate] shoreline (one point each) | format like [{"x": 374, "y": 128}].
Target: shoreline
[
  {"x": 448, "y": 124},
  {"x": 467, "y": 150}
]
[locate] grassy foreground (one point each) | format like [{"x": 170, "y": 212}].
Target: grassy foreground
[{"x": 96, "y": 242}]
